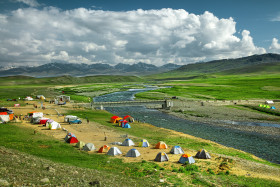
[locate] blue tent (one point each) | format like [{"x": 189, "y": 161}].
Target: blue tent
[
  {"x": 273, "y": 107},
  {"x": 127, "y": 126}
]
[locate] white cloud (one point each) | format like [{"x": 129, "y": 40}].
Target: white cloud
[
  {"x": 32, "y": 3},
  {"x": 275, "y": 46},
  {"x": 89, "y": 36}
]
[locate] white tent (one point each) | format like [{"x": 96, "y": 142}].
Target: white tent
[
  {"x": 37, "y": 114},
  {"x": 114, "y": 151},
  {"x": 54, "y": 125},
  {"x": 89, "y": 147},
  {"x": 177, "y": 150},
  {"x": 28, "y": 98},
  {"x": 128, "y": 142},
  {"x": 132, "y": 153},
  {"x": 5, "y": 118}
]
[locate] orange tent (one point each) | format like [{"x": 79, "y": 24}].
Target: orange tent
[
  {"x": 115, "y": 119},
  {"x": 103, "y": 148},
  {"x": 161, "y": 145}
]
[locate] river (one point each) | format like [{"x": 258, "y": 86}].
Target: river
[{"x": 263, "y": 146}]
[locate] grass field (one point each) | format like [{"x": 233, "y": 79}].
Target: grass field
[{"x": 221, "y": 87}]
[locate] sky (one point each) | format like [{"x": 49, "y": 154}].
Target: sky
[{"x": 36, "y": 32}]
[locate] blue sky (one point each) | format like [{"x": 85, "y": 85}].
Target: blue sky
[{"x": 35, "y": 32}]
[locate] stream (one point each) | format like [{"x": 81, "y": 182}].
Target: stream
[{"x": 261, "y": 145}]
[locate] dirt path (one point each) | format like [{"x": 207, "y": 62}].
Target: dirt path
[{"x": 94, "y": 133}]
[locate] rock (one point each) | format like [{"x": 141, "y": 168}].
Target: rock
[
  {"x": 45, "y": 180},
  {"x": 50, "y": 169},
  {"x": 95, "y": 183},
  {"x": 4, "y": 183}
]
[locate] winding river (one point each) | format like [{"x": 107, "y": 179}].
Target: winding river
[{"x": 263, "y": 146}]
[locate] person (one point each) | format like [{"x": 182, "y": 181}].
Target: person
[{"x": 88, "y": 121}]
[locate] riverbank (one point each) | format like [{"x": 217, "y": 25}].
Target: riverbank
[
  {"x": 94, "y": 133},
  {"x": 227, "y": 116}
]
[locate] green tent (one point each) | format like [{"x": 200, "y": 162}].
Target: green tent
[{"x": 80, "y": 144}]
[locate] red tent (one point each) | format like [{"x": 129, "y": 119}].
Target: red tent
[
  {"x": 127, "y": 116},
  {"x": 44, "y": 121},
  {"x": 73, "y": 140}
]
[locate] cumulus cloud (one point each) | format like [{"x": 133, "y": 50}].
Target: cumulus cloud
[
  {"x": 275, "y": 46},
  {"x": 92, "y": 36},
  {"x": 32, "y": 3}
]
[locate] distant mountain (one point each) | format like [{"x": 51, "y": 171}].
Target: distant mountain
[
  {"x": 245, "y": 64},
  {"x": 59, "y": 69}
]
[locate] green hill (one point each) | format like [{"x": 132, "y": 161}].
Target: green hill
[{"x": 230, "y": 64}]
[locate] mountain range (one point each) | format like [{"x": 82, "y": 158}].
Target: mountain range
[
  {"x": 60, "y": 69},
  {"x": 265, "y": 62},
  {"x": 247, "y": 64}
]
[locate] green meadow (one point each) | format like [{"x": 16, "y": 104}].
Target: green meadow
[{"x": 219, "y": 87}]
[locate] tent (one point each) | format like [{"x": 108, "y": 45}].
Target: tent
[
  {"x": 132, "y": 153},
  {"x": 68, "y": 136},
  {"x": 127, "y": 116},
  {"x": 72, "y": 140},
  {"x": 5, "y": 118},
  {"x": 161, "y": 145},
  {"x": 128, "y": 142},
  {"x": 89, "y": 147},
  {"x": 104, "y": 148},
  {"x": 43, "y": 120},
  {"x": 177, "y": 150},
  {"x": 122, "y": 122},
  {"x": 54, "y": 125},
  {"x": 114, "y": 151},
  {"x": 37, "y": 114},
  {"x": 186, "y": 159},
  {"x": 202, "y": 153},
  {"x": 127, "y": 126},
  {"x": 114, "y": 119},
  {"x": 161, "y": 157},
  {"x": 28, "y": 98},
  {"x": 269, "y": 102},
  {"x": 130, "y": 119},
  {"x": 273, "y": 107},
  {"x": 144, "y": 143},
  {"x": 80, "y": 144},
  {"x": 35, "y": 120}
]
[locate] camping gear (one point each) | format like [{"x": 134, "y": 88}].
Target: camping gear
[
  {"x": 186, "y": 159},
  {"x": 161, "y": 145},
  {"x": 132, "y": 153},
  {"x": 53, "y": 125},
  {"x": 37, "y": 114},
  {"x": 177, "y": 150},
  {"x": 80, "y": 144},
  {"x": 202, "y": 153},
  {"x": 127, "y": 126},
  {"x": 144, "y": 143},
  {"x": 161, "y": 157},
  {"x": 103, "y": 148},
  {"x": 273, "y": 107},
  {"x": 28, "y": 98},
  {"x": 72, "y": 140},
  {"x": 128, "y": 142},
  {"x": 89, "y": 147},
  {"x": 114, "y": 151},
  {"x": 16, "y": 105}
]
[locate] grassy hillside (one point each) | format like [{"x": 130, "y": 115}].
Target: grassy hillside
[
  {"x": 227, "y": 64},
  {"x": 25, "y": 80}
]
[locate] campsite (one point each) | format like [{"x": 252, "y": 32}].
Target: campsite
[{"x": 104, "y": 129}]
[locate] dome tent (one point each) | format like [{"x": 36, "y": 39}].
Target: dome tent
[
  {"x": 161, "y": 157},
  {"x": 89, "y": 147},
  {"x": 144, "y": 143},
  {"x": 202, "y": 153},
  {"x": 177, "y": 150},
  {"x": 186, "y": 159},
  {"x": 128, "y": 142},
  {"x": 161, "y": 145},
  {"x": 132, "y": 153},
  {"x": 114, "y": 151}
]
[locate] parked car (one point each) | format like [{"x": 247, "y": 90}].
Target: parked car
[{"x": 77, "y": 121}]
